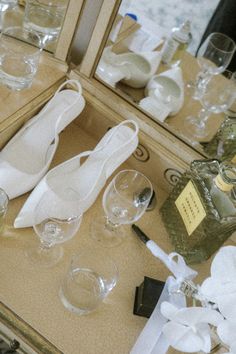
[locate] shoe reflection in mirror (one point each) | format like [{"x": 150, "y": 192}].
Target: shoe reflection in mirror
[
  {"x": 167, "y": 89},
  {"x": 27, "y": 156},
  {"x": 134, "y": 69},
  {"x": 159, "y": 110},
  {"x": 87, "y": 179}
]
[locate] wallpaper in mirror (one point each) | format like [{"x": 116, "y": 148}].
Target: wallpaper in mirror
[{"x": 131, "y": 63}]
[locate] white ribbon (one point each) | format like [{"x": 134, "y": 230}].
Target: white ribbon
[{"x": 152, "y": 340}]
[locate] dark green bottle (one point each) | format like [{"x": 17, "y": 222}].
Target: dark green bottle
[{"x": 200, "y": 213}]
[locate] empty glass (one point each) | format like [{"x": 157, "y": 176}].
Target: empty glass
[
  {"x": 124, "y": 201},
  {"x": 3, "y": 208},
  {"x": 219, "y": 95},
  {"x": 19, "y": 57},
  {"x": 45, "y": 17},
  {"x": 91, "y": 277},
  {"x": 213, "y": 57},
  {"x": 55, "y": 221}
]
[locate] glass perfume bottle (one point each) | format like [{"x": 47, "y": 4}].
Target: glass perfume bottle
[
  {"x": 223, "y": 145},
  {"x": 176, "y": 44},
  {"x": 200, "y": 212}
]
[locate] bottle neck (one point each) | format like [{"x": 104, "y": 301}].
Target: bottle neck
[
  {"x": 226, "y": 178},
  {"x": 222, "y": 185}
]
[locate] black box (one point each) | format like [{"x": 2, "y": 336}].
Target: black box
[{"x": 147, "y": 296}]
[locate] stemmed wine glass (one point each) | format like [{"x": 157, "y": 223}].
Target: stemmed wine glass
[
  {"x": 124, "y": 201},
  {"x": 219, "y": 95},
  {"x": 56, "y": 221},
  {"x": 213, "y": 57}
]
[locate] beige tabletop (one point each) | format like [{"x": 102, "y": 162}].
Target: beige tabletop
[{"x": 32, "y": 293}]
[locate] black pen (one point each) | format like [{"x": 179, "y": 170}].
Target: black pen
[
  {"x": 151, "y": 245},
  {"x": 177, "y": 268}
]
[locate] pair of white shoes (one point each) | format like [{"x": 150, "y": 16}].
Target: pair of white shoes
[{"x": 27, "y": 157}]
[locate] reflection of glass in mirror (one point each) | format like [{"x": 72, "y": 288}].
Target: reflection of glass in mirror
[
  {"x": 4, "y": 6},
  {"x": 223, "y": 145},
  {"x": 18, "y": 63},
  {"x": 45, "y": 17},
  {"x": 231, "y": 112},
  {"x": 218, "y": 96},
  {"x": 213, "y": 57}
]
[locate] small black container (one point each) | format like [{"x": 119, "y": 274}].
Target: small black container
[{"x": 147, "y": 296}]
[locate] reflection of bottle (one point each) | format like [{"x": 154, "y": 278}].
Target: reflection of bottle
[
  {"x": 176, "y": 44},
  {"x": 200, "y": 212},
  {"x": 223, "y": 145}
]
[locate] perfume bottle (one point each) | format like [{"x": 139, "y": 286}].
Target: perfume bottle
[
  {"x": 176, "y": 44},
  {"x": 200, "y": 213},
  {"x": 223, "y": 145}
]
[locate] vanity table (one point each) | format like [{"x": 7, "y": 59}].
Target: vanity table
[
  {"x": 30, "y": 309},
  {"x": 32, "y": 293}
]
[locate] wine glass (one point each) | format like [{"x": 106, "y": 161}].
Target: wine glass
[
  {"x": 220, "y": 93},
  {"x": 213, "y": 57},
  {"x": 56, "y": 221},
  {"x": 124, "y": 201}
]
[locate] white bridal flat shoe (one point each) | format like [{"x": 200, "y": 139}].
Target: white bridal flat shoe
[
  {"x": 164, "y": 94},
  {"x": 134, "y": 69},
  {"x": 27, "y": 156},
  {"x": 87, "y": 179}
]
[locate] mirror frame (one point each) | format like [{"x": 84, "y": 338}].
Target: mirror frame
[
  {"x": 120, "y": 105},
  {"x": 66, "y": 35},
  {"x": 73, "y": 13},
  {"x": 12, "y": 327}
]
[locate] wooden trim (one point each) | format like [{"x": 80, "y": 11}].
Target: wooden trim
[
  {"x": 29, "y": 338},
  {"x": 68, "y": 30},
  {"x": 101, "y": 30},
  {"x": 119, "y": 106}
]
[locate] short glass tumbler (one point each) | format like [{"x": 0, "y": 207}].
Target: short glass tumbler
[
  {"x": 91, "y": 277},
  {"x": 19, "y": 57},
  {"x": 45, "y": 17}
]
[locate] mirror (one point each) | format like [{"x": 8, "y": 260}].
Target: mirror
[
  {"x": 131, "y": 64},
  {"x": 42, "y": 16}
]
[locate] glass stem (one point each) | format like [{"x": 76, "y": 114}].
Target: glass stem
[
  {"x": 202, "y": 79},
  {"x": 202, "y": 118},
  {"x": 45, "y": 246},
  {"x": 110, "y": 225}
]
